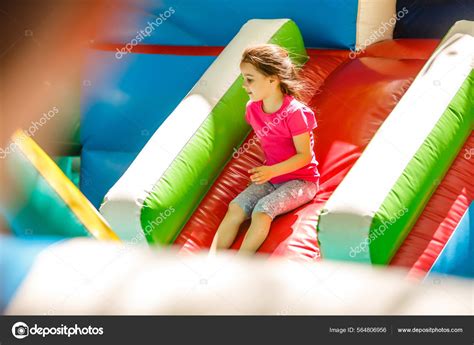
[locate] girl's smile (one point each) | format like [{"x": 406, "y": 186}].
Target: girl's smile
[
  {"x": 256, "y": 84},
  {"x": 260, "y": 87}
]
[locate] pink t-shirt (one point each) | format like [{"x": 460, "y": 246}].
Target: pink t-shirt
[{"x": 276, "y": 131}]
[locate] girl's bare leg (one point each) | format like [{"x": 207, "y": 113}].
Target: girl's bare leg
[
  {"x": 228, "y": 228},
  {"x": 256, "y": 234}
]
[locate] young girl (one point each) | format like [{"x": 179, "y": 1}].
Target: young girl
[{"x": 284, "y": 127}]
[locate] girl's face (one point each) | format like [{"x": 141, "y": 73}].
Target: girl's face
[{"x": 256, "y": 84}]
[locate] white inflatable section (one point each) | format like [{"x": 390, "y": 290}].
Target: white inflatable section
[
  {"x": 113, "y": 279},
  {"x": 351, "y": 207},
  {"x": 376, "y": 21},
  {"x": 122, "y": 204}
]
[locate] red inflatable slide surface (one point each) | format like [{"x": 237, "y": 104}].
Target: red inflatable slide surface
[{"x": 351, "y": 99}]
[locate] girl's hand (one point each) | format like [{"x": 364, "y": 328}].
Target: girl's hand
[{"x": 261, "y": 174}]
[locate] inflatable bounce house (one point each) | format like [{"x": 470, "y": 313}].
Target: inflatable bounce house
[{"x": 163, "y": 147}]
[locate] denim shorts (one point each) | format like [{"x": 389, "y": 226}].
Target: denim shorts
[{"x": 276, "y": 198}]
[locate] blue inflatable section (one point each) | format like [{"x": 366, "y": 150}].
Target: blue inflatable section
[
  {"x": 457, "y": 257},
  {"x": 431, "y": 18},
  {"x": 123, "y": 103},
  {"x": 323, "y": 23},
  {"x": 100, "y": 170},
  {"x": 16, "y": 258}
]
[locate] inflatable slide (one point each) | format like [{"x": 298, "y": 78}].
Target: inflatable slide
[{"x": 164, "y": 148}]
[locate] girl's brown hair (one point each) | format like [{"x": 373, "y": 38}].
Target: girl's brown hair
[{"x": 273, "y": 60}]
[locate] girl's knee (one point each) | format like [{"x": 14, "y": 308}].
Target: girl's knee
[
  {"x": 261, "y": 216},
  {"x": 236, "y": 212},
  {"x": 263, "y": 210},
  {"x": 260, "y": 224}
]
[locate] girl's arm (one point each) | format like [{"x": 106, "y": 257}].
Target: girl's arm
[{"x": 302, "y": 157}]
